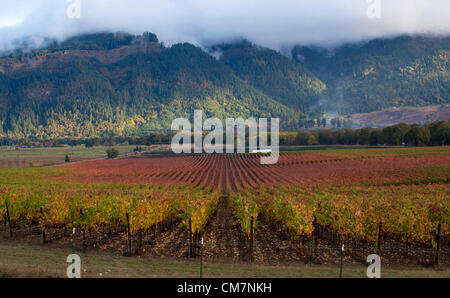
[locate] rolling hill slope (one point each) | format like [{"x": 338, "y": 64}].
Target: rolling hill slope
[
  {"x": 128, "y": 88},
  {"x": 382, "y": 73},
  {"x": 116, "y": 83}
]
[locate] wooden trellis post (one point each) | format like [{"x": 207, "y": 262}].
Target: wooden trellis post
[
  {"x": 43, "y": 240},
  {"x": 251, "y": 240},
  {"x": 190, "y": 238},
  {"x": 379, "y": 239},
  {"x": 8, "y": 219},
  {"x": 128, "y": 234},
  {"x": 438, "y": 241},
  {"x": 316, "y": 240},
  {"x": 83, "y": 233}
]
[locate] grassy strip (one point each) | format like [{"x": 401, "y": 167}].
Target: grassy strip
[
  {"x": 25, "y": 260},
  {"x": 76, "y": 150}
]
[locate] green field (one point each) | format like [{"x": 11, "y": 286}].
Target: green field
[
  {"x": 25, "y": 260},
  {"x": 75, "y": 150},
  {"x": 39, "y": 157}
]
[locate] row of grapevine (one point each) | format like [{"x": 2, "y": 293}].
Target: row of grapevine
[
  {"x": 407, "y": 212},
  {"x": 343, "y": 167},
  {"x": 94, "y": 207}
]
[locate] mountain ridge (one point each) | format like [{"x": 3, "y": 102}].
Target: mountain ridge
[{"x": 121, "y": 84}]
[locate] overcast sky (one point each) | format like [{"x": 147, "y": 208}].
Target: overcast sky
[{"x": 271, "y": 23}]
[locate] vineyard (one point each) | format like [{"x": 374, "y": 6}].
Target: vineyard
[{"x": 304, "y": 208}]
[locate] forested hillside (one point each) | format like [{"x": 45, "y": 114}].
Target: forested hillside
[
  {"x": 120, "y": 84},
  {"x": 288, "y": 82},
  {"x": 382, "y": 73},
  {"x": 79, "y": 90}
]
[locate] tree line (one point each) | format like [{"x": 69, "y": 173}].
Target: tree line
[{"x": 428, "y": 134}]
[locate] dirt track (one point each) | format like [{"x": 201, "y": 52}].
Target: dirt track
[{"x": 223, "y": 235}]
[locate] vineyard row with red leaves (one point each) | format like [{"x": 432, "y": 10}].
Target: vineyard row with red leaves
[
  {"x": 238, "y": 171},
  {"x": 349, "y": 193}
]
